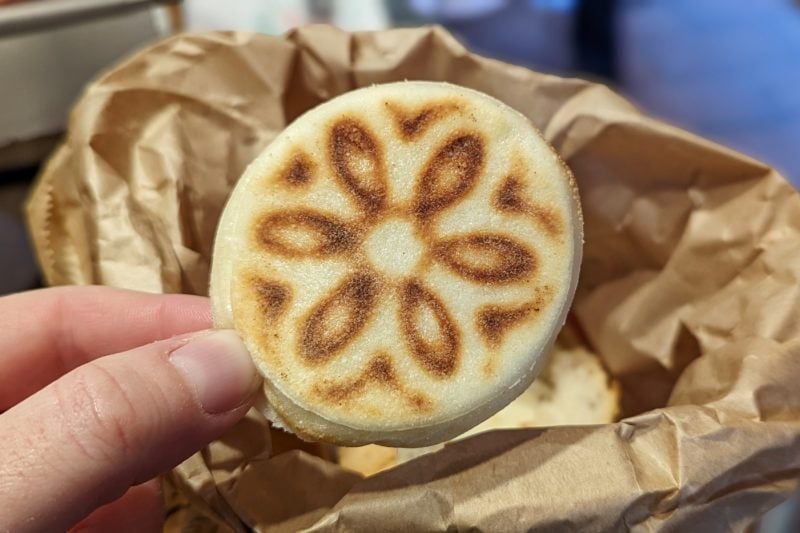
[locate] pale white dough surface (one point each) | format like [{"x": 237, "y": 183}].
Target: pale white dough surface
[{"x": 398, "y": 261}]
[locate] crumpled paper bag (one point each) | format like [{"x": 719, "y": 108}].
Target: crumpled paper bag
[{"x": 689, "y": 289}]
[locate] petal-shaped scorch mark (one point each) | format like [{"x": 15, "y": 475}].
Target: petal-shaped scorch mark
[
  {"x": 380, "y": 372},
  {"x": 357, "y": 161},
  {"x": 299, "y": 170},
  {"x": 338, "y": 318},
  {"x": 428, "y": 330},
  {"x": 494, "y": 321},
  {"x": 273, "y": 297},
  {"x": 509, "y": 198},
  {"x": 304, "y": 232},
  {"x": 486, "y": 257},
  {"x": 449, "y": 175},
  {"x": 411, "y": 123}
]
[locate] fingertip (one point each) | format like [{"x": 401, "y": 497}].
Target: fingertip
[
  {"x": 218, "y": 369},
  {"x": 120, "y": 420}
]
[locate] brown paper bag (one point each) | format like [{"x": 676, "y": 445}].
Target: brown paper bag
[{"x": 689, "y": 289}]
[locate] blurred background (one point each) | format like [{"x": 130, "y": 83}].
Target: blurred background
[{"x": 726, "y": 69}]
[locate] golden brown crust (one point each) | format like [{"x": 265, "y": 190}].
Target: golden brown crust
[
  {"x": 494, "y": 321},
  {"x": 438, "y": 356},
  {"x": 503, "y": 259},
  {"x": 273, "y": 296},
  {"x": 338, "y": 318},
  {"x": 509, "y": 198},
  {"x": 328, "y": 234},
  {"x": 379, "y": 372},
  {"x": 412, "y": 123},
  {"x": 299, "y": 171},
  {"x": 449, "y": 175},
  {"x": 350, "y": 143}
]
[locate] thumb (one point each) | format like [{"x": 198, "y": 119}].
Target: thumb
[{"x": 85, "y": 439}]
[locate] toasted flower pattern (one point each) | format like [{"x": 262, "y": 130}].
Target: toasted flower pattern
[{"x": 358, "y": 163}]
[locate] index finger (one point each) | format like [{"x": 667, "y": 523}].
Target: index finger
[{"x": 49, "y": 332}]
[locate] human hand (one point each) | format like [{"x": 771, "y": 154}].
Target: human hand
[{"x": 92, "y": 409}]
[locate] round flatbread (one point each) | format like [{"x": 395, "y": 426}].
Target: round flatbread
[{"x": 398, "y": 262}]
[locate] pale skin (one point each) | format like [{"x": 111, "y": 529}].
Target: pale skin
[{"x": 102, "y": 390}]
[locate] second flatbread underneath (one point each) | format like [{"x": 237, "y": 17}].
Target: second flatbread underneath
[{"x": 573, "y": 389}]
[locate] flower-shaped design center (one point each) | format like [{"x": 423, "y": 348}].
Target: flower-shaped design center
[{"x": 394, "y": 248}]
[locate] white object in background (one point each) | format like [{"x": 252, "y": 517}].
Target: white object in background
[
  {"x": 360, "y": 15},
  {"x": 279, "y": 16},
  {"x": 273, "y": 17},
  {"x": 42, "y": 73}
]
